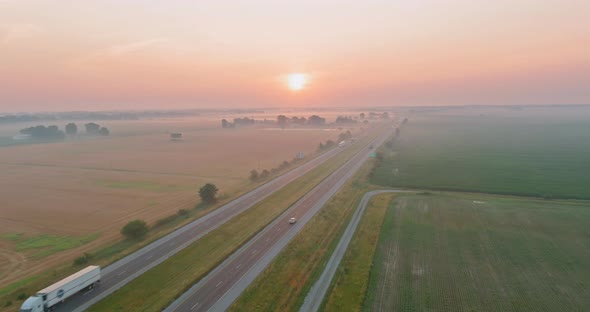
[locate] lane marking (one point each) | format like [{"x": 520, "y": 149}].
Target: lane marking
[
  {"x": 194, "y": 306},
  {"x": 218, "y": 284},
  {"x": 254, "y": 251},
  {"x": 149, "y": 257},
  {"x": 121, "y": 273},
  {"x": 238, "y": 266}
]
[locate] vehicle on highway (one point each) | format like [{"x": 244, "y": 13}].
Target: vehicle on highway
[
  {"x": 47, "y": 298},
  {"x": 292, "y": 221}
]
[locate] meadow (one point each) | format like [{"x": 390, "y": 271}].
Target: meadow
[
  {"x": 470, "y": 252},
  {"x": 73, "y": 197},
  {"x": 541, "y": 152}
]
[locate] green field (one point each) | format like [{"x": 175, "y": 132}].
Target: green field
[
  {"x": 481, "y": 253},
  {"x": 537, "y": 153}
]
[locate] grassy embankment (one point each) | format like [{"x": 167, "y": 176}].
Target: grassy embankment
[
  {"x": 158, "y": 287},
  {"x": 285, "y": 282},
  {"x": 457, "y": 252},
  {"x": 350, "y": 282},
  {"x": 525, "y": 156}
]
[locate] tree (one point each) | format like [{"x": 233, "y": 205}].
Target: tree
[
  {"x": 104, "y": 131},
  {"x": 208, "y": 193},
  {"x": 316, "y": 120},
  {"x": 282, "y": 121},
  {"x": 92, "y": 128},
  {"x": 136, "y": 229},
  {"x": 71, "y": 128},
  {"x": 265, "y": 173},
  {"x": 362, "y": 115},
  {"x": 226, "y": 124},
  {"x": 253, "y": 175}
]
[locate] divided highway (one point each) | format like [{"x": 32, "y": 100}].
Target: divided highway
[
  {"x": 219, "y": 289},
  {"x": 125, "y": 270}
]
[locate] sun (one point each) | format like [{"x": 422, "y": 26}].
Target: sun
[{"x": 297, "y": 81}]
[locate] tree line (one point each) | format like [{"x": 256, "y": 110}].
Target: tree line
[{"x": 54, "y": 133}]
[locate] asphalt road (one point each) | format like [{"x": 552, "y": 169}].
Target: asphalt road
[
  {"x": 219, "y": 289},
  {"x": 316, "y": 293},
  {"x": 125, "y": 270}
]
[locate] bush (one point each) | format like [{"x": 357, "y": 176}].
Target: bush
[
  {"x": 136, "y": 229},
  {"x": 83, "y": 259},
  {"x": 182, "y": 212},
  {"x": 21, "y": 296}
]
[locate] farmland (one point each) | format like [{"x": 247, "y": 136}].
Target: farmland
[
  {"x": 531, "y": 152},
  {"x": 62, "y": 199},
  {"x": 481, "y": 253}
]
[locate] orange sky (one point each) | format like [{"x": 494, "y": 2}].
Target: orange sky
[{"x": 124, "y": 54}]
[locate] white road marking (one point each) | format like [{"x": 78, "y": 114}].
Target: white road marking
[
  {"x": 218, "y": 284},
  {"x": 238, "y": 266},
  {"x": 194, "y": 306},
  {"x": 149, "y": 257},
  {"x": 254, "y": 251},
  {"x": 121, "y": 273}
]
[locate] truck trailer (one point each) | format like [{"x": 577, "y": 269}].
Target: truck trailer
[{"x": 46, "y": 299}]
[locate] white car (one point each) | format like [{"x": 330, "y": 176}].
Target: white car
[{"x": 292, "y": 221}]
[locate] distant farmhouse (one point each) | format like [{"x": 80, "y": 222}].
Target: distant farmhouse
[{"x": 175, "y": 136}]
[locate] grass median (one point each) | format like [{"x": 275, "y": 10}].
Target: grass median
[{"x": 158, "y": 287}]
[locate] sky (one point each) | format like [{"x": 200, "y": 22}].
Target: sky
[{"x": 147, "y": 54}]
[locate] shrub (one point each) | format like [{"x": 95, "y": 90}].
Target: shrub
[{"x": 136, "y": 229}]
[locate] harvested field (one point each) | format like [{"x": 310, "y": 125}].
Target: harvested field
[
  {"x": 85, "y": 187},
  {"x": 481, "y": 253}
]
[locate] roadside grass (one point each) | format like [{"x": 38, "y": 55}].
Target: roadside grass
[
  {"x": 473, "y": 252},
  {"x": 283, "y": 285},
  {"x": 529, "y": 155},
  {"x": 157, "y": 288},
  {"x": 349, "y": 286}
]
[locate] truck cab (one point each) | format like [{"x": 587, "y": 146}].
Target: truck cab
[{"x": 33, "y": 304}]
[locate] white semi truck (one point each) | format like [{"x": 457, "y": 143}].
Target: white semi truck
[{"x": 46, "y": 299}]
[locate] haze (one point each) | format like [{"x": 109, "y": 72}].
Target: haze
[{"x": 95, "y": 55}]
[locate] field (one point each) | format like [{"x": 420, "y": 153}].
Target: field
[
  {"x": 62, "y": 199},
  {"x": 540, "y": 152},
  {"x": 481, "y": 253}
]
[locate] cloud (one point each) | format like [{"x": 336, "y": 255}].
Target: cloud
[
  {"x": 122, "y": 49},
  {"x": 14, "y": 32},
  {"x": 119, "y": 51}
]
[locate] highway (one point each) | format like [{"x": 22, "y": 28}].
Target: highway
[
  {"x": 125, "y": 270},
  {"x": 219, "y": 289}
]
